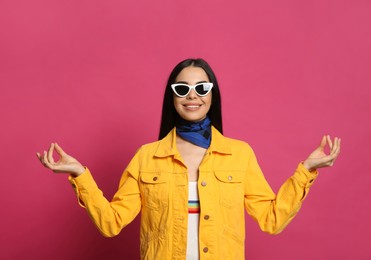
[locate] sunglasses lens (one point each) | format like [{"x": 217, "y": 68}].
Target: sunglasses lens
[
  {"x": 182, "y": 90},
  {"x": 202, "y": 89}
]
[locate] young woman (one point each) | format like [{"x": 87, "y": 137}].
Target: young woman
[{"x": 193, "y": 185}]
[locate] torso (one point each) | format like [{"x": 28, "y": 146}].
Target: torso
[{"x": 192, "y": 156}]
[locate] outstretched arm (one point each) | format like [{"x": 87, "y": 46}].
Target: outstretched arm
[
  {"x": 65, "y": 164},
  {"x": 109, "y": 217},
  {"x": 274, "y": 212}
]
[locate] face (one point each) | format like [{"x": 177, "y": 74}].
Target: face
[{"x": 192, "y": 107}]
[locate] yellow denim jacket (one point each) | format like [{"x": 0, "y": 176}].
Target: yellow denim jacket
[{"x": 156, "y": 183}]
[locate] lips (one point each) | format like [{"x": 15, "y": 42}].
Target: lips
[{"x": 192, "y": 106}]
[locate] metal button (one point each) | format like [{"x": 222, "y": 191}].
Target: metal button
[
  {"x": 205, "y": 250},
  {"x": 230, "y": 177},
  {"x": 155, "y": 178},
  {"x": 206, "y": 217},
  {"x": 203, "y": 183}
]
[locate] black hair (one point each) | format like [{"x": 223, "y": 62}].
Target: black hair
[{"x": 169, "y": 114}]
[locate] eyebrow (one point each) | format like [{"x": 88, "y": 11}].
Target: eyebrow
[{"x": 185, "y": 82}]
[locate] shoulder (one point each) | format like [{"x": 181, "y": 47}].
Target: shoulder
[
  {"x": 238, "y": 145},
  {"x": 160, "y": 148},
  {"x": 144, "y": 153},
  {"x": 151, "y": 147},
  {"x": 229, "y": 145}
]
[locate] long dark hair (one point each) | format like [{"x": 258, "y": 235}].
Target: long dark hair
[{"x": 169, "y": 114}]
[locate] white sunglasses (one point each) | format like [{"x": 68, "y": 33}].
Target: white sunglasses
[{"x": 201, "y": 89}]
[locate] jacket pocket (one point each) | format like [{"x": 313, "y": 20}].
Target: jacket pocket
[
  {"x": 230, "y": 188},
  {"x": 154, "y": 189}
]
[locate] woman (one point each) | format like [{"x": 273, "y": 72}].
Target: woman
[{"x": 193, "y": 184}]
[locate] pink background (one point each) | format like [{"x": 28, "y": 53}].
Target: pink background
[{"x": 90, "y": 75}]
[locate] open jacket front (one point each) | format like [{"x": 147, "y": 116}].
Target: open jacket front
[{"x": 156, "y": 183}]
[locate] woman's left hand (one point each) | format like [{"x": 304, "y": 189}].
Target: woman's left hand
[{"x": 318, "y": 158}]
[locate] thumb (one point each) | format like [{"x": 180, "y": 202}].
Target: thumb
[{"x": 59, "y": 150}]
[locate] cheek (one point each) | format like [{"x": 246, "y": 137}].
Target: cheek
[
  {"x": 176, "y": 104},
  {"x": 208, "y": 100},
  {"x": 174, "y": 100}
]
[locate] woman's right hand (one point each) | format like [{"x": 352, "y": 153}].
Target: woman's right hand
[{"x": 65, "y": 164}]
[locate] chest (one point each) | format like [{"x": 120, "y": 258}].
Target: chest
[{"x": 192, "y": 156}]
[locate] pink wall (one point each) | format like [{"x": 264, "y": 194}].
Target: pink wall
[{"x": 91, "y": 74}]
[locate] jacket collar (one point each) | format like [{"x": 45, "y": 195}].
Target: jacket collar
[{"x": 167, "y": 145}]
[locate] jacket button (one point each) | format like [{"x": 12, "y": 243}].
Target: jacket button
[
  {"x": 230, "y": 178},
  {"x": 155, "y": 178},
  {"x": 205, "y": 249},
  {"x": 203, "y": 183},
  {"x": 206, "y": 217}
]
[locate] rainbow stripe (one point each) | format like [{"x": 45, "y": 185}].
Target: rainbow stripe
[{"x": 193, "y": 207}]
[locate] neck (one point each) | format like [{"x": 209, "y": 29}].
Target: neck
[{"x": 197, "y": 133}]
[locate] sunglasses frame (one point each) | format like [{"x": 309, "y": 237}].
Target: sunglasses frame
[{"x": 173, "y": 86}]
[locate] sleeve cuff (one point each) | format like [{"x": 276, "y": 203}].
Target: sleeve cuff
[
  {"x": 82, "y": 182},
  {"x": 305, "y": 177}
]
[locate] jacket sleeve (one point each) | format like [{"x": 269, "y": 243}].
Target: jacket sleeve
[
  {"x": 273, "y": 212},
  {"x": 110, "y": 217}
]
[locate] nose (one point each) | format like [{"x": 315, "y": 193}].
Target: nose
[{"x": 192, "y": 94}]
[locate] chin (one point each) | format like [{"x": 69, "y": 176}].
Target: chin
[{"x": 193, "y": 118}]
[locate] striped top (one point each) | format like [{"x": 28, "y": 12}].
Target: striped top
[{"x": 193, "y": 207}]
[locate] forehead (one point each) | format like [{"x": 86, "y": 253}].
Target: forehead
[{"x": 192, "y": 75}]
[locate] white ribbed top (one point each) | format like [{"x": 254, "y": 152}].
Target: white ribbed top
[{"x": 193, "y": 221}]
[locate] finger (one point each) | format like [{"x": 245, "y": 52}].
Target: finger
[
  {"x": 40, "y": 157},
  {"x": 59, "y": 150},
  {"x": 45, "y": 159},
  {"x": 335, "y": 147},
  {"x": 329, "y": 141},
  {"x": 323, "y": 143},
  {"x": 328, "y": 160},
  {"x": 339, "y": 144},
  {"x": 50, "y": 166},
  {"x": 50, "y": 153},
  {"x": 336, "y": 151}
]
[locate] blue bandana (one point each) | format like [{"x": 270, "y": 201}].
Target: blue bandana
[{"x": 198, "y": 133}]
